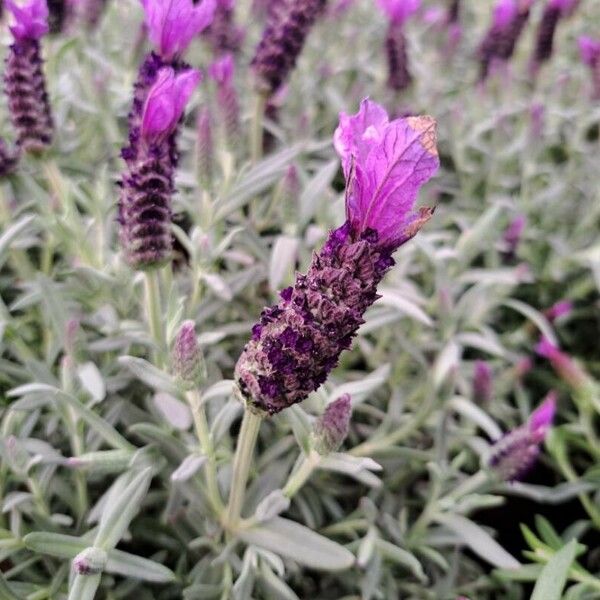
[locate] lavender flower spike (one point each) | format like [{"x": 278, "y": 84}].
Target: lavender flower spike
[
  {"x": 514, "y": 454},
  {"x": 482, "y": 383},
  {"x": 223, "y": 34},
  {"x": 398, "y": 12},
  {"x": 282, "y": 41},
  {"x": 173, "y": 24},
  {"x": 332, "y": 427},
  {"x": 148, "y": 183},
  {"x": 222, "y": 73},
  {"x": 24, "y": 78},
  {"x": 298, "y": 342}
]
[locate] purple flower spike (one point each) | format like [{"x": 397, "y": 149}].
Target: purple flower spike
[
  {"x": 222, "y": 72},
  {"x": 482, "y": 383},
  {"x": 223, "y": 34},
  {"x": 166, "y": 102},
  {"x": 31, "y": 19},
  {"x": 173, "y": 24},
  {"x": 385, "y": 164},
  {"x": 513, "y": 234},
  {"x": 332, "y": 427},
  {"x": 298, "y": 342},
  {"x": 562, "y": 363},
  {"x": 282, "y": 41},
  {"x": 514, "y": 454},
  {"x": 25, "y": 87},
  {"x": 148, "y": 185}
]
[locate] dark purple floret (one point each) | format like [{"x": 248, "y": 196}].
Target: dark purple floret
[
  {"x": 282, "y": 42},
  {"x": 299, "y": 341},
  {"x": 544, "y": 42},
  {"x": 8, "y": 159},
  {"x": 28, "y": 101},
  {"x": 396, "y": 49}
]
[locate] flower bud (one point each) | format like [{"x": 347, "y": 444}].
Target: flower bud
[
  {"x": 331, "y": 428},
  {"x": 482, "y": 383},
  {"x": 90, "y": 561},
  {"x": 187, "y": 361}
]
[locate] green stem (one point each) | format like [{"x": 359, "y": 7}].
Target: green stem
[
  {"x": 256, "y": 131},
  {"x": 206, "y": 444},
  {"x": 154, "y": 311},
  {"x": 301, "y": 475},
  {"x": 241, "y": 467}
]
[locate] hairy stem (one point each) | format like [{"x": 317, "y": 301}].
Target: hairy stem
[
  {"x": 154, "y": 311},
  {"x": 301, "y": 475},
  {"x": 256, "y": 131},
  {"x": 241, "y": 467}
]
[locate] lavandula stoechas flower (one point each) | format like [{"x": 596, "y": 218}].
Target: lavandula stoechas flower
[
  {"x": 282, "y": 41},
  {"x": 563, "y": 364},
  {"x": 482, "y": 383},
  {"x": 222, "y": 73},
  {"x": 508, "y": 20},
  {"x": 514, "y": 454},
  {"x": 298, "y": 342},
  {"x": 558, "y": 310},
  {"x": 223, "y": 34},
  {"x": 171, "y": 25},
  {"x": 147, "y": 185},
  {"x": 398, "y": 12},
  {"x": 589, "y": 50},
  {"x": 25, "y": 83},
  {"x": 332, "y": 427},
  {"x": 544, "y": 42}
]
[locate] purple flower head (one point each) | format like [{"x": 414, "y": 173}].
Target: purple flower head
[
  {"x": 589, "y": 50},
  {"x": 166, "y": 102},
  {"x": 399, "y": 11},
  {"x": 331, "y": 428},
  {"x": 385, "y": 163},
  {"x": 558, "y": 310},
  {"x": 173, "y": 24},
  {"x": 222, "y": 70},
  {"x": 187, "y": 362},
  {"x": 31, "y": 19},
  {"x": 513, "y": 455},
  {"x": 482, "y": 382},
  {"x": 564, "y": 6},
  {"x": 297, "y": 342}
]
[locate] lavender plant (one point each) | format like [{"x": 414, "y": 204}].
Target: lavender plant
[{"x": 415, "y": 413}]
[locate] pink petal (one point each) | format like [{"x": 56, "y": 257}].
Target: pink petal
[
  {"x": 504, "y": 12},
  {"x": 398, "y": 11},
  {"x": 173, "y": 24},
  {"x": 385, "y": 164},
  {"x": 542, "y": 417},
  {"x": 31, "y": 20},
  {"x": 166, "y": 102}
]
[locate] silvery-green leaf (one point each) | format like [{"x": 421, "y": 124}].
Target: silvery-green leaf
[
  {"x": 392, "y": 297},
  {"x": 92, "y": 381},
  {"x": 271, "y": 506},
  {"x": 283, "y": 260},
  {"x": 173, "y": 410},
  {"x": 472, "y": 412},
  {"x": 117, "y": 515},
  {"x": 314, "y": 190},
  {"x": 188, "y": 468},
  {"x": 470, "y": 242},
  {"x": 84, "y": 587},
  {"x": 360, "y": 390},
  {"x": 478, "y": 540},
  {"x": 446, "y": 363},
  {"x": 367, "y": 547},
  {"x": 278, "y": 588},
  {"x": 534, "y": 316},
  {"x": 554, "y": 575},
  {"x": 218, "y": 285},
  {"x": 149, "y": 374},
  {"x": 401, "y": 557},
  {"x": 12, "y": 233},
  {"x": 294, "y": 541}
]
